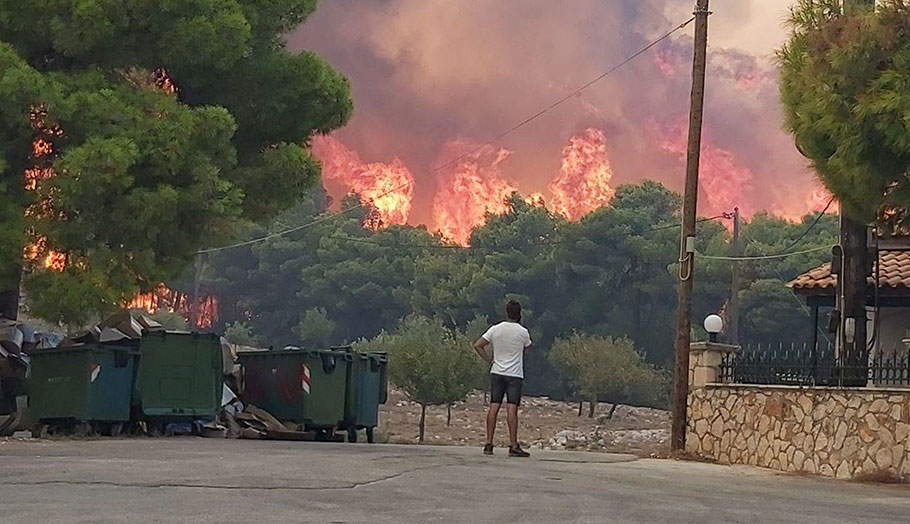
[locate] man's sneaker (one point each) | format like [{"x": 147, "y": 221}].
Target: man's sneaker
[
  {"x": 518, "y": 452},
  {"x": 488, "y": 449}
]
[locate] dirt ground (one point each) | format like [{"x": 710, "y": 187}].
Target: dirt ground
[{"x": 544, "y": 424}]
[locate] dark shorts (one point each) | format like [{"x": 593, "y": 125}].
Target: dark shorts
[{"x": 502, "y": 386}]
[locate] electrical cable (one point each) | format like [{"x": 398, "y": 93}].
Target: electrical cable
[
  {"x": 799, "y": 302},
  {"x": 810, "y": 228},
  {"x": 766, "y": 257},
  {"x": 501, "y": 135}
]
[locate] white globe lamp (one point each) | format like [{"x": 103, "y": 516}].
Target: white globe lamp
[{"x": 713, "y": 325}]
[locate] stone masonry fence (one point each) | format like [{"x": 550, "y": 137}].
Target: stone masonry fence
[{"x": 835, "y": 432}]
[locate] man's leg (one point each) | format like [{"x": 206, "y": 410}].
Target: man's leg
[
  {"x": 492, "y": 415},
  {"x": 513, "y": 393},
  {"x": 512, "y": 419}
]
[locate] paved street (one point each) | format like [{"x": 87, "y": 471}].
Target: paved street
[{"x": 226, "y": 481}]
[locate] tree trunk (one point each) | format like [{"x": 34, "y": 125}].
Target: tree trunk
[
  {"x": 612, "y": 410},
  {"x": 581, "y": 407},
  {"x": 592, "y": 408},
  {"x": 9, "y": 295},
  {"x": 423, "y": 420},
  {"x": 636, "y": 316},
  {"x": 448, "y": 415}
]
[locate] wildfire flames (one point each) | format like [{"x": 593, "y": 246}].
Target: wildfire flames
[
  {"x": 42, "y": 155},
  {"x": 166, "y": 299},
  {"x": 389, "y": 188},
  {"x": 469, "y": 189},
  {"x": 583, "y": 183},
  {"x": 723, "y": 183},
  {"x": 536, "y": 199}
]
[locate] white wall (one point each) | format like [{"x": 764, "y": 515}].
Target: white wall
[{"x": 894, "y": 326}]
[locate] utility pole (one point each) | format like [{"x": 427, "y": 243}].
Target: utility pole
[
  {"x": 733, "y": 309},
  {"x": 687, "y": 243},
  {"x": 852, "y": 287}
]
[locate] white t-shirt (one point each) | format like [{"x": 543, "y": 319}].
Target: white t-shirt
[{"x": 509, "y": 340}]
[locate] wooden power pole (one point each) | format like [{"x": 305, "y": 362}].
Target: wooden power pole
[
  {"x": 687, "y": 243},
  {"x": 852, "y": 284},
  {"x": 733, "y": 308}
]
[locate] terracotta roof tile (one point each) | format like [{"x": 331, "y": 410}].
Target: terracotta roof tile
[{"x": 894, "y": 274}]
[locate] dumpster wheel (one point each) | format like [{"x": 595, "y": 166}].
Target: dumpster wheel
[
  {"x": 370, "y": 435},
  {"x": 352, "y": 434}
]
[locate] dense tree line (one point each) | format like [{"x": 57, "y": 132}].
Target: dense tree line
[
  {"x": 611, "y": 274},
  {"x": 133, "y": 134}
]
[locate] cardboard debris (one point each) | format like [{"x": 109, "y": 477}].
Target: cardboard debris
[
  {"x": 112, "y": 335},
  {"x": 11, "y": 338},
  {"x": 228, "y": 356},
  {"x": 131, "y": 328},
  {"x": 123, "y": 325},
  {"x": 93, "y": 334},
  {"x": 265, "y": 417},
  {"x": 212, "y": 430},
  {"x": 150, "y": 324}
]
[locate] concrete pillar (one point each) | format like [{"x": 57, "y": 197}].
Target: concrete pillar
[{"x": 704, "y": 362}]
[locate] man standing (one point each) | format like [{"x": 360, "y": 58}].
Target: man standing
[{"x": 509, "y": 340}]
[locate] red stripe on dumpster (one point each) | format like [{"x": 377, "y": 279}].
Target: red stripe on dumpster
[{"x": 305, "y": 378}]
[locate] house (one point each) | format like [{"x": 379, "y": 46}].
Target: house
[{"x": 891, "y": 303}]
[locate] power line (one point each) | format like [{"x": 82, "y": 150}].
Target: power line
[
  {"x": 766, "y": 257},
  {"x": 803, "y": 307},
  {"x": 489, "y": 142},
  {"x": 810, "y": 228}
]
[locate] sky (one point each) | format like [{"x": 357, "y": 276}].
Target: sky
[{"x": 430, "y": 76}]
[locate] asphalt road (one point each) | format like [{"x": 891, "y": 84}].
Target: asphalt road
[{"x": 227, "y": 481}]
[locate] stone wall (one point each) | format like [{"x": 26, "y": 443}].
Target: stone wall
[{"x": 844, "y": 433}]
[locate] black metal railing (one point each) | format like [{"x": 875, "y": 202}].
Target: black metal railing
[{"x": 804, "y": 365}]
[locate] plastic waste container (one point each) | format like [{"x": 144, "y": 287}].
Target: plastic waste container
[
  {"x": 303, "y": 386},
  {"x": 88, "y": 383},
  {"x": 364, "y": 393},
  {"x": 180, "y": 375}
]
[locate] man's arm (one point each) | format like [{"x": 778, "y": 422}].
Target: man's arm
[{"x": 480, "y": 347}]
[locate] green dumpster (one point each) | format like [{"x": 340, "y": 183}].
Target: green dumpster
[
  {"x": 180, "y": 375},
  {"x": 87, "y": 383},
  {"x": 364, "y": 393},
  {"x": 303, "y": 386}
]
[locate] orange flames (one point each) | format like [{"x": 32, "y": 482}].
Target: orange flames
[
  {"x": 723, "y": 183},
  {"x": 536, "y": 200},
  {"x": 42, "y": 155},
  {"x": 389, "y": 188},
  {"x": 583, "y": 183},
  {"x": 469, "y": 189},
  {"x": 166, "y": 299}
]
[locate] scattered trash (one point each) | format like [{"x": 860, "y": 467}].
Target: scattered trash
[
  {"x": 178, "y": 429},
  {"x": 212, "y": 430}
]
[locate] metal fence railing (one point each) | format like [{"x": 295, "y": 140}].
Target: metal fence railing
[{"x": 804, "y": 365}]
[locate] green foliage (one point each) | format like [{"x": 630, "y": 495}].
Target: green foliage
[
  {"x": 170, "y": 321},
  {"x": 316, "y": 329},
  {"x": 845, "y": 91},
  {"x": 772, "y": 314},
  {"x": 145, "y": 177},
  {"x": 240, "y": 333},
  {"x": 431, "y": 364},
  {"x": 612, "y": 274},
  {"x": 609, "y": 369}
]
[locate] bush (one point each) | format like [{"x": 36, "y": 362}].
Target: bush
[{"x": 609, "y": 370}]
